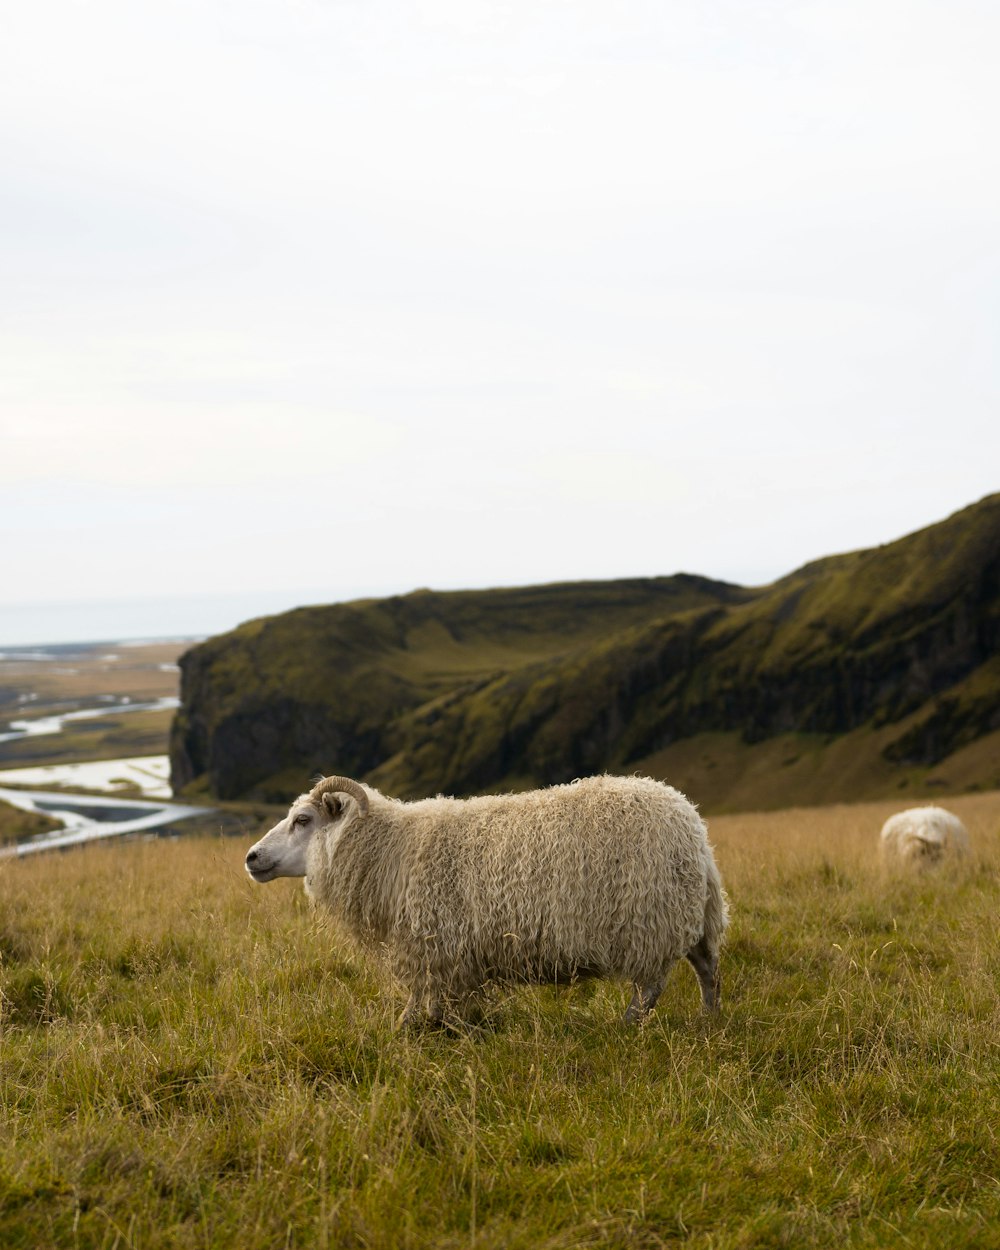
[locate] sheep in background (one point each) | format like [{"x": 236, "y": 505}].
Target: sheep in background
[
  {"x": 923, "y": 836},
  {"x": 606, "y": 876}
]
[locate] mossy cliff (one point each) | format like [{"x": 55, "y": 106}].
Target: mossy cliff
[{"x": 895, "y": 650}]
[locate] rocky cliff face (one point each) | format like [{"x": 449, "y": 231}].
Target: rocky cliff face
[{"x": 481, "y": 690}]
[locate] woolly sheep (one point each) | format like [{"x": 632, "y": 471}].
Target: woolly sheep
[
  {"x": 923, "y": 835},
  {"x": 606, "y": 876}
]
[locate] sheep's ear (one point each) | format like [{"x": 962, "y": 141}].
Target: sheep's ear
[{"x": 333, "y": 805}]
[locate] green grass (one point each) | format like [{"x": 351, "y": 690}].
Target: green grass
[{"x": 189, "y": 1060}]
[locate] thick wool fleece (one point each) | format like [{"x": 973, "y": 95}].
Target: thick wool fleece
[
  {"x": 923, "y": 835},
  {"x": 607, "y": 876}
]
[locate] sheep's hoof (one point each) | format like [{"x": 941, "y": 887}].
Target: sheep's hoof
[
  {"x": 415, "y": 1020},
  {"x": 411, "y": 1017},
  {"x": 643, "y": 1002}
]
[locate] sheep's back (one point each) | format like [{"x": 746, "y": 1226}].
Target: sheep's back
[{"x": 605, "y": 875}]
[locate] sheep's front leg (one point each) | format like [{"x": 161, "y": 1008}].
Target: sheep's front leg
[
  {"x": 410, "y": 1014},
  {"x": 424, "y": 1004}
]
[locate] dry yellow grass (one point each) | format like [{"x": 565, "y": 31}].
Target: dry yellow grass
[
  {"x": 842, "y": 834},
  {"x": 189, "y": 1060}
]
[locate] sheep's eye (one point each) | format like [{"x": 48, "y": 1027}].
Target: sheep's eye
[{"x": 301, "y": 819}]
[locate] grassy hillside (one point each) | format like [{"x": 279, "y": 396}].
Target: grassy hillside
[
  {"x": 190, "y": 1060},
  {"x": 503, "y": 689},
  {"x": 283, "y": 696}
]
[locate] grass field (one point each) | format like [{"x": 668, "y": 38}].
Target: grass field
[{"x": 189, "y": 1060}]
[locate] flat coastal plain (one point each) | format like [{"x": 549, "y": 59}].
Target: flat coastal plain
[
  {"x": 191, "y": 1060},
  {"x": 40, "y": 684}
]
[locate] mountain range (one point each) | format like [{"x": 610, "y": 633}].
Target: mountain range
[{"x": 857, "y": 676}]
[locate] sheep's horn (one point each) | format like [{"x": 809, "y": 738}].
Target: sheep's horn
[{"x": 344, "y": 785}]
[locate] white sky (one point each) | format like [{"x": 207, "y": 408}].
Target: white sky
[{"x": 306, "y": 299}]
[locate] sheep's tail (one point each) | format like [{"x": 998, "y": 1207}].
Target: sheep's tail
[{"x": 716, "y": 909}]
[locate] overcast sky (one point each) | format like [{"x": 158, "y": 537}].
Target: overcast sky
[{"x": 301, "y": 300}]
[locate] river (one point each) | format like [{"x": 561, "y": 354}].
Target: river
[
  {"x": 86, "y": 818},
  {"x": 43, "y": 725}
]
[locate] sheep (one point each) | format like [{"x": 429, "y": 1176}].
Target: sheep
[
  {"x": 924, "y": 836},
  {"x": 601, "y": 877}
]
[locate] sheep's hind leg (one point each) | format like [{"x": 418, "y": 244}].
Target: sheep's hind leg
[
  {"x": 706, "y": 964},
  {"x": 643, "y": 1002}
]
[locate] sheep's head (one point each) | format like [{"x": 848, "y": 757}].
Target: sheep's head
[
  {"x": 924, "y": 850},
  {"x": 281, "y": 852}
]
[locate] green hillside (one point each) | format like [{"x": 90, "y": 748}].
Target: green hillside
[{"x": 885, "y": 660}]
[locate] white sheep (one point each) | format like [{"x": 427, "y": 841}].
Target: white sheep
[
  {"x": 606, "y": 876},
  {"x": 923, "y": 835}
]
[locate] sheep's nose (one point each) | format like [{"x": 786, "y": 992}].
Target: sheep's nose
[{"x": 252, "y": 858}]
